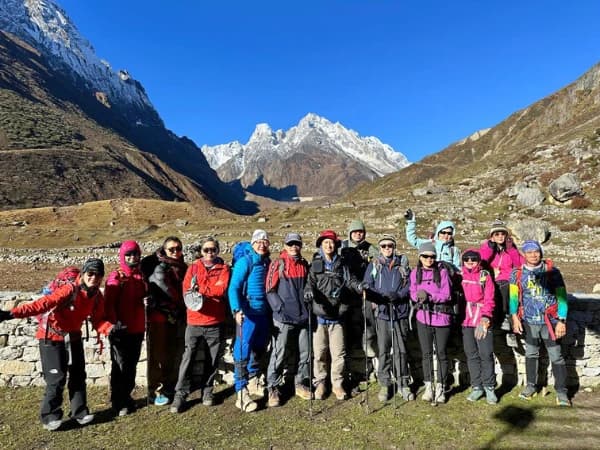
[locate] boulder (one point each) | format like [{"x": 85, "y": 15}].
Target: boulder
[
  {"x": 530, "y": 196},
  {"x": 530, "y": 229},
  {"x": 565, "y": 187}
]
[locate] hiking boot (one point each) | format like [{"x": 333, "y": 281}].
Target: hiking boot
[
  {"x": 340, "y": 393},
  {"x": 428, "y": 393},
  {"x": 320, "y": 391},
  {"x": 303, "y": 392},
  {"x": 490, "y": 395},
  {"x": 440, "y": 394},
  {"x": 274, "y": 400},
  {"x": 85, "y": 419},
  {"x": 384, "y": 394},
  {"x": 475, "y": 394},
  {"x": 208, "y": 399},
  {"x": 53, "y": 425},
  {"x": 528, "y": 392},
  {"x": 407, "y": 394},
  {"x": 123, "y": 412},
  {"x": 505, "y": 326},
  {"x": 177, "y": 404},
  {"x": 511, "y": 340},
  {"x": 255, "y": 387},
  {"x": 161, "y": 400},
  {"x": 244, "y": 402},
  {"x": 562, "y": 399}
]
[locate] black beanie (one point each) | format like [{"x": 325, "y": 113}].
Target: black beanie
[{"x": 93, "y": 265}]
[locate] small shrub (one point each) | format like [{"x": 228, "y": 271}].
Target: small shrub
[{"x": 580, "y": 203}]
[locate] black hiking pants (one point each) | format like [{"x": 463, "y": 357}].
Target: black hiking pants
[
  {"x": 480, "y": 358},
  {"x": 535, "y": 335},
  {"x": 56, "y": 368},
  {"x": 398, "y": 353},
  {"x": 430, "y": 336},
  {"x": 124, "y": 355}
]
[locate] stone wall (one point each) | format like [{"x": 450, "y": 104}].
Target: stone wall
[{"x": 20, "y": 364}]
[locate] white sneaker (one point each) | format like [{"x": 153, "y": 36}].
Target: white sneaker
[
  {"x": 85, "y": 419},
  {"x": 255, "y": 387},
  {"x": 53, "y": 425},
  {"x": 428, "y": 394}
]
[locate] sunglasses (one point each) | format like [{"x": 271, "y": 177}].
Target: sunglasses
[
  {"x": 386, "y": 246},
  {"x": 294, "y": 244},
  {"x": 449, "y": 233},
  {"x": 132, "y": 254},
  {"x": 209, "y": 250},
  {"x": 173, "y": 249},
  {"x": 428, "y": 256},
  {"x": 470, "y": 259}
]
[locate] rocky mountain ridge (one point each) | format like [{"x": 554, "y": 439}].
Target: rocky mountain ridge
[{"x": 289, "y": 162}]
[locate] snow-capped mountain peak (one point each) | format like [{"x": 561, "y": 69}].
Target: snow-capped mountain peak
[
  {"x": 46, "y": 26},
  {"x": 314, "y": 130}
]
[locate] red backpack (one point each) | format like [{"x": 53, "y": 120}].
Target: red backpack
[{"x": 68, "y": 275}]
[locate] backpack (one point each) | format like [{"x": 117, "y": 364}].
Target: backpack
[
  {"x": 148, "y": 264},
  {"x": 68, "y": 275},
  {"x": 242, "y": 249},
  {"x": 403, "y": 268}
]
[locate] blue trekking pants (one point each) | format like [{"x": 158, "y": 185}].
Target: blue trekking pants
[{"x": 250, "y": 345}]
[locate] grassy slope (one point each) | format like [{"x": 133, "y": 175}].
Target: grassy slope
[{"x": 457, "y": 424}]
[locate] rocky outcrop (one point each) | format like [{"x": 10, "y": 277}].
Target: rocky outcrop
[{"x": 565, "y": 187}]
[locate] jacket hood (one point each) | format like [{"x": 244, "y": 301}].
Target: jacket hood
[
  {"x": 126, "y": 247},
  {"x": 444, "y": 224}
]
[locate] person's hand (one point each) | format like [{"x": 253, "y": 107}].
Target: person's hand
[
  {"x": 239, "y": 317},
  {"x": 117, "y": 328},
  {"x": 409, "y": 214},
  {"x": 5, "y": 315},
  {"x": 363, "y": 286},
  {"x": 390, "y": 296},
  {"x": 149, "y": 301},
  {"x": 560, "y": 330},
  {"x": 422, "y": 295},
  {"x": 482, "y": 329},
  {"x": 516, "y": 325},
  {"x": 309, "y": 296}
]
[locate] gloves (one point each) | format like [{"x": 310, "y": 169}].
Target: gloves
[
  {"x": 363, "y": 286},
  {"x": 149, "y": 302},
  {"x": 391, "y": 296},
  {"x": 482, "y": 329},
  {"x": 5, "y": 315},
  {"x": 117, "y": 329},
  {"x": 409, "y": 214},
  {"x": 309, "y": 296},
  {"x": 422, "y": 296}
]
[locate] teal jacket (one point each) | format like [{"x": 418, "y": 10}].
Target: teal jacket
[{"x": 446, "y": 251}]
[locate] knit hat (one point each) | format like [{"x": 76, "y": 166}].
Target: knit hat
[
  {"x": 357, "y": 225},
  {"x": 328, "y": 234},
  {"x": 498, "y": 225},
  {"x": 531, "y": 246},
  {"x": 259, "y": 235},
  {"x": 427, "y": 248},
  {"x": 292, "y": 237},
  {"x": 387, "y": 237},
  {"x": 93, "y": 265}
]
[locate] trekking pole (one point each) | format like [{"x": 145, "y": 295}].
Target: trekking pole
[
  {"x": 240, "y": 335},
  {"x": 393, "y": 359},
  {"x": 434, "y": 348},
  {"x": 147, "y": 322},
  {"x": 310, "y": 362},
  {"x": 366, "y": 391}
]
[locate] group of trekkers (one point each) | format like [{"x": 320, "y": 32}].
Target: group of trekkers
[{"x": 353, "y": 298}]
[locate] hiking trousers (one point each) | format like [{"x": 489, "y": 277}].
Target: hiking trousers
[
  {"x": 164, "y": 356},
  {"x": 124, "y": 355},
  {"x": 480, "y": 358},
  {"x": 328, "y": 345},
  {"x": 398, "y": 354},
  {"x": 250, "y": 345},
  {"x": 534, "y": 336},
  {"x": 56, "y": 368},
  {"x": 428, "y": 336},
  {"x": 210, "y": 340},
  {"x": 289, "y": 351}
]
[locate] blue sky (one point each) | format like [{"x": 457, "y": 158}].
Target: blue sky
[{"x": 419, "y": 75}]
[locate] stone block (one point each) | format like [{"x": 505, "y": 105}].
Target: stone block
[
  {"x": 95, "y": 370},
  {"x": 20, "y": 380},
  {"x": 31, "y": 354},
  {"x": 591, "y": 371},
  {"x": 16, "y": 367},
  {"x": 11, "y": 352}
]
